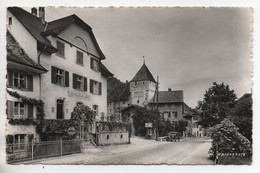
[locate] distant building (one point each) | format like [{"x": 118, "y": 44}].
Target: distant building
[{"x": 138, "y": 91}]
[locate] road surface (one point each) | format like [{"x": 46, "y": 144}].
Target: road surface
[{"x": 190, "y": 151}]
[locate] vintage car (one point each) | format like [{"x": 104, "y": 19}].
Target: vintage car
[{"x": 173, "y": 136}]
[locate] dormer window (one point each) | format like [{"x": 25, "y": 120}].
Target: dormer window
[{"x": 60, "y": 47}]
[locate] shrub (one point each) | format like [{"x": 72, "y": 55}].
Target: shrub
[{"x": 227, "y": 139}]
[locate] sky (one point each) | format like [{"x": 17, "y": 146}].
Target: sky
[{"x": 188, "y": 48}]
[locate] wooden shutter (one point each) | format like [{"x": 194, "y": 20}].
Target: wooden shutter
[
  {"x": 100, "y": 88},
  {"x": 91, "y": 63},
  {"x": 30, "y": 82},
  {"x": 9, "y": 139},
  {"x": 10, "y": 108},
  {"x": 91, "y": 86},
  {"x": 10, "y": 78},
  {"x": 30, "y": 138},
  {"x": 30, "y": 111},
  {"x": 66, "y": 78},
  {"x": 74, "y": 85},
  {"x": 53, "y": 75},
  {"x": 85, "y": 84}
]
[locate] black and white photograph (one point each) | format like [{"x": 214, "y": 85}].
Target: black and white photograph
[{"x": 129, "y": 86}]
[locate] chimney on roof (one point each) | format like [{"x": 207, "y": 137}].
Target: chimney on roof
[
  {"x": 126, "y": 81},
  {"x": 34, "y": 11},
  {"x": 169, "y": 89},
  {"x": 42, "y": 14}
]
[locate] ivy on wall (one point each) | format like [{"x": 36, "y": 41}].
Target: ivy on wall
[{"x": 26, "y": 121}]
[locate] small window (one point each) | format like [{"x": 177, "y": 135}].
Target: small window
[
  {"x": 79, "y": 58},
  {"x": 95, "y": 87},
  {"x": 121, "y": 136},
  {"x": 107, "y": 137},
  {"x": 60, "y": 77},
  {"x": 19, "y": 110},
  {"x": 19, "y": 80},
  {"x": 78, "y": 82},
  {"x": 95, "y": 110},
  {"x": 10, "y": 21},
  {"x": 94, "y": 64},
  {"x": 135, "y": 83},
  {"x": 19, "y": 141},
  {"x": 60, "y": 47},
  {"x": 137, "y": 101}
]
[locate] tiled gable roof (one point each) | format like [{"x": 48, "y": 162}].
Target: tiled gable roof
[
  {"x": 120, "y": 92},
  {"x": 56, "y": 26},
  {"x": 104, "y": 71},
  {"x": 34, "y": 26},
  {"x": 16, "y": 54},
  {"x": 168, "y": 97},
  {"x": 143, "y": 74}
]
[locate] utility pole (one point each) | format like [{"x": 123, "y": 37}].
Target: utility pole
[{"x": 157, "y": 107}]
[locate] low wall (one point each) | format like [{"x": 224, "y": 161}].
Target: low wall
[{"x": 110, "y": 138}]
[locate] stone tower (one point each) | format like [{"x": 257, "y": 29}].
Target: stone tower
[{"x": 142, "y": 87}]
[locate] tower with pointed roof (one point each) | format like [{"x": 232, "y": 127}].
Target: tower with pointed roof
[{"x": 142, "y": 87}]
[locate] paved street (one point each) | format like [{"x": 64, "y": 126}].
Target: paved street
[{"x": 141, "y": 151}]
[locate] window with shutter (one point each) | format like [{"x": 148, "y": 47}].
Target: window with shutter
[
  {"x": 94, "y": 87},
  {"x": 78, "y": 82},
  {"x": 19, "y": 80},
  {"x": 60, "y": 47},
  {"x": 94, "y": 65},
  {"x": 79, "y": 59},
  {"x": 19, "y": 110},
  {"x": 59, "y": 77}
]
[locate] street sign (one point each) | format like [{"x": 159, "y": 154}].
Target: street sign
[
  {"x": 148, "y": 125},
  {"x": 71, "y": 131}
]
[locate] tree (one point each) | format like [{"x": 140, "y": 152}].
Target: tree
[
  {"x": 218, "y": 100},
  {"x": 144, "y": 115},
  {"x": 241, "y": 116},
  {"x": 181, "y": 126},
  {"x": 82, "y": 112}
]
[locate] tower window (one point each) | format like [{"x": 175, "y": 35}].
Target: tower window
[{"x": 137, "y": 101}]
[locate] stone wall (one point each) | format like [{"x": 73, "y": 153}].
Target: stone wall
[{"x": 109, "y": 138}]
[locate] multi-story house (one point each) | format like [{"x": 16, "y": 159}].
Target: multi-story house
[
  {"x": 71, "y": 58},
  {"x": 23, "y": 93}
]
